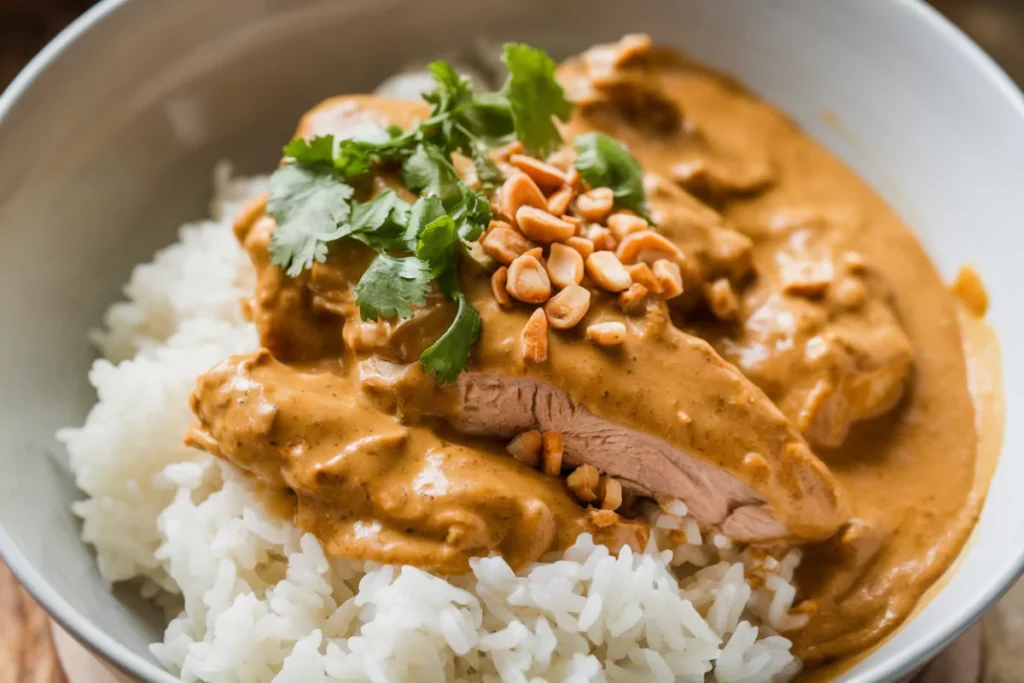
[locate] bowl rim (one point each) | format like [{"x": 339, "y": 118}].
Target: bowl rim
[{"x": 128, "y": 662}]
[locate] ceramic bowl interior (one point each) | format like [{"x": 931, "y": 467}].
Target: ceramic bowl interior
[{"x": 109, "y": 137}]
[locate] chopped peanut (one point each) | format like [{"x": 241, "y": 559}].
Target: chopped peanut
[
  {"x": 969, "y": 288},
  {"x": 602, "y": 238},
  {"x": 642, "y": 274},
  {"x": 607, "y": 272},
  {"x": 537, "y": 253},
  {"x": 722, "y": 300},
  {"x": 520, "y": 190},
  {"x": 573, "y": 179},
  {"x": 539, "y": 225},
  {"x": 499, "y": 281},
  {"x": 558, "y": 202},
  {"x": 595, "y": 205},
  {"x": 535, "y": 337},
  {"x": 475, "y": 251},
  {"x": 849, "y": 292},
  {"x": 631, "y": 48},
  {"x": 526, "y": 447},
  {"x": 603, "y": 518},
  {"x": 609, "y": 490},
  {"x": 562, "y": 159},
  {"x": 551, "y": 453},
  {"x": 632, "y": 300},
  {"x": 581, "y": 244},
  {"x": 607, "y": 334},
  {"x": 545, "y": 175},
  {"x": 622, "y": 224},
  {"x": 565, "y": 266},
  {"x": 646, "y": 246},
  {"x": 810, "y": 277},
  {"x": 567, "y": 308},
  {"x": 853, "y": 261},
  {"x": 583, "y": 483},
  {"x": 504, "y": 153},
  {"x": 578, "y": 222},
  {"x": 503, "y": 244},
  {"x": 669, "y": 277},
  {"x": 528, "y": 281}
]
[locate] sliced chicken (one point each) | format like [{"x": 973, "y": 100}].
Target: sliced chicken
[
  {"x": 681, "y": 424},
  {"x": 663, "y": 412},
  {"x": 374, "y": 489}
]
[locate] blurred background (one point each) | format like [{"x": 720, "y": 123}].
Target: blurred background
[{"x": 26, "y": 650}]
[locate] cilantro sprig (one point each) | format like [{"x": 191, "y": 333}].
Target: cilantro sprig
[
  {"x": 418, "y": 244},
  {"x": 603, "y": 162}
]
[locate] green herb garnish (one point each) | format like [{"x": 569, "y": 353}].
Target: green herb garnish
[
  {"x": 534, "y": 96},
  {"x": 604, "y": 162},
  {"x": 311, "y": 196}
]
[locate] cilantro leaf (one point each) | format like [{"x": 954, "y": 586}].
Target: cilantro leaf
[
  {"x": 424, "y": 211},
  {"x": 449, "y": 355},
  {"x": 352, "y": 158},
  {"x": 429, "y": 172},
  {"x": 534, "y": 97},
  {"x": 316, "y": 152},
  {"x": 369, "y": 216},
  {"x": 471, "y": 214},
  {"x": 391, "y": 286},
  {"x": 603, "y": 162},
  {"x": 451, "y": 90},
  {"x": 486, "y": 170},
  {"x": 308, "y": 207},
  {"x": 355, "y": 158},
  {"x": 489, "y": 118},
  {"x": 438, "y": 245},
  {"x": 380, "y": 222}
]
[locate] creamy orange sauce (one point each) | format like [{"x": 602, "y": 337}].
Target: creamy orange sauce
[{"x": 812, "y": 376}]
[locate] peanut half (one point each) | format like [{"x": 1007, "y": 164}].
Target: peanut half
[
  {"x": 583, "y": 483},
  {"x": 581, "y": 244},
  {"x": 607, "y": 271},
  {"x": 525, "y": 447},
  {"x": 545, "y": 175},
  {"x": 607, "y": 334},
  {"x": 565, "y": 266},
  {"x": 528, "y": 281},
  {"x": 722, "y": 300},
  {"x": 558, "y": 203},
  {"x": 642, "y": 274},
  {"x": 646, "y": 246},
  {"x": 602, "y": 238},
  {"x": 670, "y": 279},
  {"x": 499, "y": 281},
  {"x": 539, "y": 225},
  {"x": 595, "y": 205},
  {"x": 503, "y": 244},
  {"x": 609, "y": 490},
  {"x": 567, "y": 308},
  {"x": 622, "y": 224},
  {"x": 520, "y": 190}
]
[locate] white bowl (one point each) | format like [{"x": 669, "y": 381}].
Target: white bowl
[{"x": 108, "y": 137}]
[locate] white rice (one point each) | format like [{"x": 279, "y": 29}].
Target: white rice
[{"x": 257, "y": 600}]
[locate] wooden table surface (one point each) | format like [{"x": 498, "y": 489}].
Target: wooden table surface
[
  {"x": 26, "y": 648},
  {"x": 27, "y": 653}
]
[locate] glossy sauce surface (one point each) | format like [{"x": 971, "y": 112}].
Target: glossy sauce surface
[
  {"x": 909, "y": 473},
  {"x": 843, "y": 341}
]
